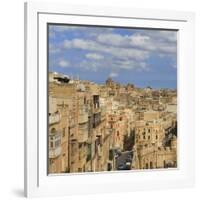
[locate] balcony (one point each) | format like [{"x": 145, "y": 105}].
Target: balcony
[
  {"x": 82, "y": 157},
  {"x": 83, "y": 133},
  {"x": 54, "y": 118},
  {"x": 74, "y": 157},
  {"x": 96, "y": 119},
  {"x": 96, "y": 108},
  {"x": 99, "y": 151},
  {"x": 54, "y": 143},
  {"x": 83, "y": 114},
  {"x": 96, "y": 101},
  {"x": 83, "y": 118},
  {"x": 74, "y": 151},
  {"x": 54, "y": 152},
  {"x": 103, "y": 114}
]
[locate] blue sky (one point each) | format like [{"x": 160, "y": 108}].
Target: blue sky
[{"x": 143, "y": 57}]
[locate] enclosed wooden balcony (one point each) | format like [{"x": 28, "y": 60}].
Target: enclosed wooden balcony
[
  {"x": 54, "y": 118},
  {"x": 83, "y": 132},
  {"x": 54, "y": 143}
]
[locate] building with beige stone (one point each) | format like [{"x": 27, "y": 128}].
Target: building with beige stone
[{"x": 102, "y": 127}]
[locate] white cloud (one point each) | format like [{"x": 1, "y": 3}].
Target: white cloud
[
  {"x": 112, "y": 39},
  {"x": 106, "y": 49},
  {"x": 123, "y": 40},
  {"x": 63, "y": 63},
  {"x": 90, "y": 65},
  {"x": 139, "y": 40},
  {"x": 119, "y": 52},
  {"x": 53, "y": 49},
  {"x": 113, "y": 74},
  {"x": 113, "y": 57},
  {"x": 136, "y": 46},
  {"x": 165, "y": 36},
  {"x": 130, "y": 64},
  {"x": 160, "y": 41},
  {"x": 94, "y": 56}
]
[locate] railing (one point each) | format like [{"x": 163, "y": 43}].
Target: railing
[
  {"x": 54, "y": 118},
  {"x": 96, "y": 109}
]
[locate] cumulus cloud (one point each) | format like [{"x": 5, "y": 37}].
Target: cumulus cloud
[
  {"x": 123, "y": 41},
  {"x": 147, "y": 42},
  {"x": 63, "y": 63},
  {"x": 164, "y": 36},
  {"x": 106, "y": 48},
  {"x": 119, "y": 52},
  {"x": 94, "y": 56},
  {"x": 88, "y": 65},
  {"x": 53, "y": 49},
  {"x": 113, "y": 74}
]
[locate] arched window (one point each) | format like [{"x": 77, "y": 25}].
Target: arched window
[
  {"x": 117, "y": 133},
  {"x": 53, "y": 130}
]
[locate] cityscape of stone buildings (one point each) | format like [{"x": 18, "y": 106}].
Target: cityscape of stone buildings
[{"x": 111, "y": 126}]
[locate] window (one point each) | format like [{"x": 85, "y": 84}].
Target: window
[
  {"x": 151, "y": 165},
  {"x": 79, "y": 169},
  {"x": 149, "y": 137},
  {"x": 57, "y": 143},
  {"x": 53, "y": 130},
  {"x": 147, "y": 166},
  {"x": 51, "y": 144},
  {"x": 89, "y": 152},
  {"x": 63, "y": 132},
  {"x": 164, "y": 164},
  {"x": 96, "y": 101},
  {"x": 117, "y": 133},
  {"x": 51, "y": 161}
]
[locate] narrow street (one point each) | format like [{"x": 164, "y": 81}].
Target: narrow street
[{"x": 124, "y": 160}]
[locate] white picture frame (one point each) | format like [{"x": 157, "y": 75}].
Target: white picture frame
[{"x": 37, "y": 182}]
